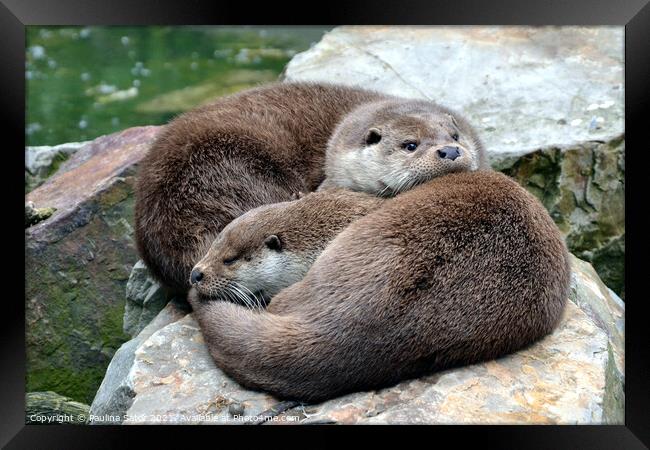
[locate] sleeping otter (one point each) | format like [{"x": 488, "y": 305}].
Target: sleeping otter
[
  {"x": 272, "y": 246},
  {"x": 463, "y": 268}
]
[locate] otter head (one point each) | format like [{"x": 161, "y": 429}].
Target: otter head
[
  {"x": 250, "y": 260},
  {"x": 390, "y": 146}
]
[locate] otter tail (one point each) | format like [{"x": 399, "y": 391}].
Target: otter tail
[{"x": 279, "y": 354}]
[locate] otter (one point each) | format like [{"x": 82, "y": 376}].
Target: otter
[
  {"x": 261, "y": 146},
  {"x": 464, "y": 268},
  {"x": 386, "y": 147},
  {"x": 272, "y": 246}
]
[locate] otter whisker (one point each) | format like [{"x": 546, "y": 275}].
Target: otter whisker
[
  {"x": 388, "y": 187},
  {"x": 243, "y": 297},
  {"x": 232, "y": 296},
  {"x": 256, "y": 303},
  {"x": 404, "y": 179}
]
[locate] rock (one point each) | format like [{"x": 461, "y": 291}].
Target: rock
[
  {"x": 115, "y": 394},
  {"x": 547, "y": 102},
  {"x": 145, "y": 298},
  {"x": 77, "y": 264},
  {"x": 33, "y": 215},
  {"x": 43, "y": 161},
  {"x": 52, "y": 408},
  {"x": 174, "y": 364},
  {"x": 523, "y": 87},
  {"x": 573, "y": 376}
]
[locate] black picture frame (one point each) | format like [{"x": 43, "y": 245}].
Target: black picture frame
[{"x": 633, "y": 14}]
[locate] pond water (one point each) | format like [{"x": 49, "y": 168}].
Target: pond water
[{"x": 83, "y": 82}]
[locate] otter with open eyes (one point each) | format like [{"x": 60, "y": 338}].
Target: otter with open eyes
[
  {"x": 273, "y": 246},
  {"x": 261, "y": 146},
  {"x": 389, "y": 146}
]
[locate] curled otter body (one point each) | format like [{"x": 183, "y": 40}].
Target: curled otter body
[
  {"x": 261, "y": 146},
  {"x": 273, "y": 246},
  {"x": 464, "y": 268}
]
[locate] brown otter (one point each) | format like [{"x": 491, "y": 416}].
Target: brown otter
[
  {"x": 464, "y": 268},
  {"x": 263, "y": 145},
  {"x": 272, "y": 246},
  {"x": 389, "y": 146}
]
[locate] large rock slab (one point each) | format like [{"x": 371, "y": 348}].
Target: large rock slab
[
  {"x": 573, "y": 376},
  {"x": 77, "y": 262},
  {"x": 523, "y": 87},
  {"x": 547, "y": 102}
]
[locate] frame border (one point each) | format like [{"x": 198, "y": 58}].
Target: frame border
[{"x": 633, "y": 14}]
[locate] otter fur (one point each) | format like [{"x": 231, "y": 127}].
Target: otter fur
[
  {"x": 273, "y": 246},
  {"x": 464, "y": 268},
  {"x": 214, "y": 163}
]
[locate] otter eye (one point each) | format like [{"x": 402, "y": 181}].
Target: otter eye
[
  {"x": 410, "y": 146},
  {"x": 230, "y": 261},
  {"x": 373, "y": 136},
  {"x": 455, "y": 136},
  {"x": 273, "y": 242}
]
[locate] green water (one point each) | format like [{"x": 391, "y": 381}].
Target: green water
[{"x": 83, "y": 82}]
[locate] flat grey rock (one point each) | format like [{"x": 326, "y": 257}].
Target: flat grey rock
[{"x": 524, "y": 88}]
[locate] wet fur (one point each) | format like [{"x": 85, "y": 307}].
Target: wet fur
[{"x": 464, "y": 268}]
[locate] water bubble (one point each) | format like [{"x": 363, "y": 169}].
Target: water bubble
[
  {"x": 139, "y": 65},
  {"x": 124, "y": 40},
  {"x": 194, "y": 66},
  {"x": 136, "y": 82},
  {"x": 145, "y": 72},
  {"x": 84, "y": 33},
  {"x": 45, "y": 34},
  {"x": 85, "y": 76},
  {"x": 115, "y": 121},
  {"x": 37, "y": 52},
  {"x": 195, "y": 55},
  {"x": 222, "y": 53},
  {"x": 83, "y": 124},
  {"x": 29, "y": 74},
  {"x": 34, "y": 127},
  {"x": 51, "y": 63},
  {"x": 106, "y": 88}
]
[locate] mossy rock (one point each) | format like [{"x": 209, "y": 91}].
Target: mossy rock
[
  {"x": 77, "y": 263},
  {"x": 51, "y": 408}
]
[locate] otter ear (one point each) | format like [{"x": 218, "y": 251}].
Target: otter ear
[
  {"x": 273, "y": 242},
  {"x": 373, "y": 136}
]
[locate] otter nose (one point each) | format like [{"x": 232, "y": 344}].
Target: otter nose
[
  {"x": 449, "y": 153},
  {"x": 196, "y": 276}
]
